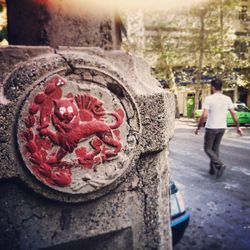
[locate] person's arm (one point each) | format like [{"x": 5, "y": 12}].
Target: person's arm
[
  {"x": 202, "y": 119},
  {"x": 236, "y": 121}
]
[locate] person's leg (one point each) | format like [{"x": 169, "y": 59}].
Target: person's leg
[
  {"x": 216, "y": 149},
  {"x": 217, "y": 141},
  {"x": 208, "y": 147},
  {"x": 212, "y": 168},
  {"x": 209, "y": 142}
]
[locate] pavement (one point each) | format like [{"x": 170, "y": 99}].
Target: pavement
[{"x": 219, "y": 208}]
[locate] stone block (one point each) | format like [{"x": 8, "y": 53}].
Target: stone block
[{"x": 99, "y": 176}]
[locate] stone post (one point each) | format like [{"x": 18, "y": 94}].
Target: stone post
[
  {"x": 83, "y": 147},
  {"x": 44, "y": 22}
]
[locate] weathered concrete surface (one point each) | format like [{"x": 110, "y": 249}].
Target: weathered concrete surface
[{"x": 135, "y": 206}]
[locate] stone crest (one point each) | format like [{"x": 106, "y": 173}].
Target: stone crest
[{"x": 76, "y": 136}]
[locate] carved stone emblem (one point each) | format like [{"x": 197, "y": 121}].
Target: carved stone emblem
[{"x": 75, "y": 137}]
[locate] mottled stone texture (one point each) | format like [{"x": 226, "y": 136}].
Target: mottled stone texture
[
  {"x": 46, "y": 23},
  {"x": 131, "y": 214}
]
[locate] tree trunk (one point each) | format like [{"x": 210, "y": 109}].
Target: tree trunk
[
  {"x": 221, "y": 29},
  {"x": 201, "y": 59}
]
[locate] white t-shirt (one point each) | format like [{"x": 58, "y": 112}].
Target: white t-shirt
[{"x": 217, "y": 105}]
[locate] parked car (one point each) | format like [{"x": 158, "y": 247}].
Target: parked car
[
  {"x": 242, "y": 112},
  {"x": 179, "y": 214}
]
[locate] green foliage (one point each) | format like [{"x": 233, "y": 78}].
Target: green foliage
[
  {"x": 245, "y": 73},
  {"x": 182, "y": 41},
  {"x": 2, "y": 5},
  {"x": 166, "y": 55}
]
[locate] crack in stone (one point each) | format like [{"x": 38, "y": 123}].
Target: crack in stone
[
  {"x": 71, "y": 69},
  {"x": 148, "y": 225},
  {"x": 31, "y": 217}
]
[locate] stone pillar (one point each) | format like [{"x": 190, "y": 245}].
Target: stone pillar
[
  {"x": 54, "y": 23},
  {"x": 83, "y": 148}
]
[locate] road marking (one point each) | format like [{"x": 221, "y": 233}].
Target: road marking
[
  {"x": 238, "y": 138},
  {"x": 242, "y": 170},
  {"x": 237, "y": 143},
  {"x": 231, "y": 186},
  {"x": 212, "y": 205}
]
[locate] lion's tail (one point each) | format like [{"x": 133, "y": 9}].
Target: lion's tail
[{"x": 119, "y": 115}]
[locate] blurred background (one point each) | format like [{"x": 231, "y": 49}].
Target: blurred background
[{"x": 187, "y": 44}]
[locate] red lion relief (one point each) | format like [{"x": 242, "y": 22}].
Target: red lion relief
[{"x": 56, "y": 125}]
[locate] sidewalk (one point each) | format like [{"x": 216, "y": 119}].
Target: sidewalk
[
  {"x": 191, "y": 122},
  {"x": 187, "y": 121}
]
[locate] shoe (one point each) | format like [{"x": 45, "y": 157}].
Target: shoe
[
  {"x": 211, "y": 171},
  {"x": 220, "y": 171}
]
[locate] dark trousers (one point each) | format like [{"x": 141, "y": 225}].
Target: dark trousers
[{"x": 212, "y": 145}]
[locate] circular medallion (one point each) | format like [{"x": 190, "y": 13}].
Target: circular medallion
[{"x": 78, "y": 134}]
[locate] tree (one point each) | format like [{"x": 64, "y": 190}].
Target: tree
[
  {"x": 201, "y": 38},
  {"x": 214, "y": 45},
  {"x": 166, "y": 56},
  {"x": 196, "y": 45}
]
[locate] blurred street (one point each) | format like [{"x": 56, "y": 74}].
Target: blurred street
[{"x": 219, "y": 208}]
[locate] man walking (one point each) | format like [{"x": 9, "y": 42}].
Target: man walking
[{"x": 215, "y": 110}]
